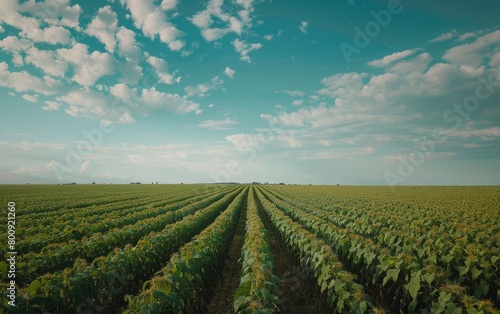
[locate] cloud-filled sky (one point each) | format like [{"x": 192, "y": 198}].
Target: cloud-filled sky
[{"x": 322, "y": 92}]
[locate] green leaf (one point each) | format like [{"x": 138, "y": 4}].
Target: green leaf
[
  {"x": 391, "y": 274},
  {"x": 444, "y": 298},
  {"x": 414, "y": 285},
  {"x": 475, "y": 273},
  {"x": 363, "y": 307},
  {"x": 429, "y": 278},
  {"x": 33, "y": 287},
  {"x": 240, "y": 303}
]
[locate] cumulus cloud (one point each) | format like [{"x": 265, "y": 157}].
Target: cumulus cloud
[
  {"x": 15, "y": 46},
  {"x": 148, "y": 100},
  {"x": 474, "y": 53},
  {"x": 88, "y": 68},
  {"x": 23, "y": 81},
  {"x": 168, "y": 4},
  {"x": 303, "y": 27},
  {"x": 244, "y": 49},
  {"x": 31, "y": 26},
  {"x": 103, "y": 26},
  {"x": 48, "y": 61},
  {"x": 51, "y": 105},
  {"x": 31, "y": 98},
  {"x": 203, "y": 90},
  {"x": 244, "y": 142},
  {"x": 227, "y": 18},
  {"x": 87, "y": 103},
  {"x": 152, "y": 20},
  {"x": 127, "y": 45},
  {"x": 229, "y": 72},
  {"x": 172, "y": 102},
  {"x": 390, "y": 107},
  {"x": 161, "y": 68},
  {"x": 54, "y": 12}
]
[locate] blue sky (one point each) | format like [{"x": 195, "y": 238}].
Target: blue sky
[{"x": 323, "y": 92}]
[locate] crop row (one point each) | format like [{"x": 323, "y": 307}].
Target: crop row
[
  {"x": 109, "y": 278},
  {"x": 258, "y": 290},
  {"x": 90, "y": 229},
  {"x": 183, "y": 282},
  {"x": 404, "y": 282},
  {"x": 63, "y": 255},
  {"x": 344, "y": 293}
]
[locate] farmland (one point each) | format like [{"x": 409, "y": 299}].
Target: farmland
[{"x": 253, "y": 248}]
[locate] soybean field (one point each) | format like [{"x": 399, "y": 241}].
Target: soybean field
[{"x": 255, "y": 248}]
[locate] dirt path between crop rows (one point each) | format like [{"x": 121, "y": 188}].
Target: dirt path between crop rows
[
  {"x": 222, "y": 300},
  {"x": 299, "y": 293}
]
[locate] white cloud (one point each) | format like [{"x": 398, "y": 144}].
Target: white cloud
[
  {"x": 88, "y": 68},
  {"x": 227, "y": 17},
  {"x": 2, "y": 29},
  {"x": 31, "y": 27},
  {"x": 171, "y": 102},
  {"x": 84, "y": 166},
  {"x": 48, "y": 61},
  {"x": 268, "y": 37},
  {"x": 202, "y": 90},
  {"x": 127, "y": 45},
  {"x": 51, "y": 105},
  {"x": 54, "y": 12},
  {"x": 486, "y": 134},
  {"x": 342, "y": 84},
  {"x": 303, "y": 27},
  {"x": 148, "y": 100},
  {"x": 297, "y": 102},
  {"x": 52, "y": 34},
  {"x": 466, "y": 36},
  {"x": 474, "y": 53},
  {"x": 445, "y": 36},
  {"x": 218, "y": 124},
  {"x": 31, "y": 98},
  {"x": 15, "y": 46},
  {"x": 24, "y": 82},
  {"x": 244, "y": 142},
  {"x": 103, "y": 26},
  {"x": 12, "y": 43},
  {"x": 161, "y": 68},
  {"x": 229, "y": 72},
  {"x": 131, "y": 72},
  {"x": 87, "y": 103},
  {"x": 293, "y": 93},
  {"x": 495, "y": 60},
  {"x": 118, "y": 164},
  {"x": 391, "y": 58},
  {"x": 244, "y": 49},
  {"x": 168, "y": 4},
  {"x": 152, "y": 20}
]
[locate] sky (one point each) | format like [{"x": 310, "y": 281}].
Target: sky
[{"x": 381, "y": 92}]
